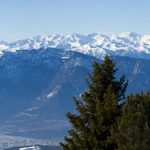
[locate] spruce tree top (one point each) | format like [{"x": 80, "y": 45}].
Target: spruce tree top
[{"x": 98, "y": 110}]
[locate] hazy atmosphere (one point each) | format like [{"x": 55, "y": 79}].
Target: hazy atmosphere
[{"x": 74, "y": 74}]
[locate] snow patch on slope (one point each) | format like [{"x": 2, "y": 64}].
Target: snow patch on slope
[
  {"x": 52, "y": 94},
  {"x": 30, "y": 148}
]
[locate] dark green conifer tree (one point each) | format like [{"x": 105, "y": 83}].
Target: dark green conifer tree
[
  {"x": 98, "y": 110},
  {"x": 134, "y": 125}
]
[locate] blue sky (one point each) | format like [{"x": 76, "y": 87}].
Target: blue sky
[{"x": 26, "y": 18}]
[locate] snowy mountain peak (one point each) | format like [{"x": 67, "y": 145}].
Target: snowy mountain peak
[
  {"x": 96, "y": 44},
  {"x": 129, "y": 34}
]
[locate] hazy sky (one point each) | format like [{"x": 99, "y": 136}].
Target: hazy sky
[{"x": 25, "y": 18}]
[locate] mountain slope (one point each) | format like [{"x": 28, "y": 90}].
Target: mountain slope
[{"x": 37, "y": 88}]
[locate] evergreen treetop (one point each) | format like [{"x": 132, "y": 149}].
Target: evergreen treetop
[
  {"x": 134, "y": 125},
  {"x": 98, "y": 110}
]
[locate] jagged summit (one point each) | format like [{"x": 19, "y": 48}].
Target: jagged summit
[{"x": 96, "y": 44}]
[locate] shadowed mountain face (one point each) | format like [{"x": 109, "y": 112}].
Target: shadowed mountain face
[
  {"x": 137, "y": 72},
  {"x": 36, "y": 88}
]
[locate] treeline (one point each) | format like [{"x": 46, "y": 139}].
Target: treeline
[{"x": 106, "y": 119}]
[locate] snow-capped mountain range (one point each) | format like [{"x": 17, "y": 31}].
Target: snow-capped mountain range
[
  {"x": 37, "y": 85},
  {"x": 124, "y": 44}
]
